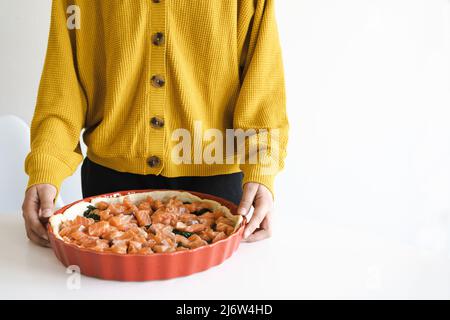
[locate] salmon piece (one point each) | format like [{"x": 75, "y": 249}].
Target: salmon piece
[
  {"x": 190, "y": 206},
  {"x": 139, "y": 235},
  {"x": 196, "y": 242},
  {"x": 219, "y": 236},
  {"x": 182, "y": 240},
  {"x": 88, "y": 242},
  {"x": 169, "y": 242},
  {"x": 160, "y": 248},
  {"x": 208, "y": 215},
  {"x": 207, "y": 219},
  {"x": 104, "y": 214},
  {"x": 140, "y": 232},
  {"x": 133, "y": 219},
  {"x": 98, "y": 245},
  {"x": 180, "y": 226},
  {"x": 225, "y": 228},
  {"x": 119, "y": 221},
  {"x": 194, "y": 206},
  {"x": 187, "y": 218},
  {"x": 143, "y": 217},
  {"x": 194, "y": 237},
  {"x": 195, "y": 228},
  {"x": 149, "y": 243},
  {"x": 120, "y": 247},
  {"x": 127, "y": 226},
  {"x": 66, "y": 231},
  {"x": 83, "y": 221},
  {"x": 102, "y": 205},
  {"x": 207, "y": 222},
  {"x": 174, "y": 202},
  {"x": 133, "y": 209},
  {"x": 205, "y": 236},
  {"x": 218, "y": 214},
  {"x": 225, "y": 220},
  {"x": 211, "y": 233},
  {"x": 157, "y": 238},
  {"x": 126, "y": 202},
  {"x": 163, "y": 217},
  {"x": 140, "y": 239},
  {"x": 176, "y": 207},
  {"x": 130, "y": 208},
  {"x": 102, "y": 245},
  {"x": 116, "y": 209},
  {"x": 157, "y": 227},
  {"x": 145, "y": 205},
  {"x": 157, "y": 204},
  {"x": 113, "y": 233},
  {"x": 163, "y": 231},
  {"x": 78, "y": 235},
  {"x": 132, "y": 235},
  {"x": 134, "y": 247},
  {"x": 182, "y": 249},
  {"x": 99, "y": 228},
  {"x": 127, "y": 236}
]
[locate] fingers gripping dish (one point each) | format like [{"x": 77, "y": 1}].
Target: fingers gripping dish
[{"x": 145, "y": 223}]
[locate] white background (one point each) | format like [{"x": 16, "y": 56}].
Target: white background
[{"x": 368, "y": 84}]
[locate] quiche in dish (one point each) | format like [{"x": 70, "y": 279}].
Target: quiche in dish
[
  {"x": 141, "y": 240},
  {"x": 145, "y": 223}
]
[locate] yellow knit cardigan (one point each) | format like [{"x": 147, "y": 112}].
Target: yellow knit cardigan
[{"x": 114, "y": 66}]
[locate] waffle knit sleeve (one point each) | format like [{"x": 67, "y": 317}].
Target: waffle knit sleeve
[
  {"x": 60, "y": 108},
  {"x": 261, "y": 104}
]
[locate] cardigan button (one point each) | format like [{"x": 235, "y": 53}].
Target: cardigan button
[
  {"x": 158, "y": 39},
  {"x": 154, "y": 162},
  {"x": 157, "y": 122},
  {"x": 158, "y": 81}
]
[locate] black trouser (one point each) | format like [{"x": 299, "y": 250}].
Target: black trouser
[{"x": 97, "y": 179}]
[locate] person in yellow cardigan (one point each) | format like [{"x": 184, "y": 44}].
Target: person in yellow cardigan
[{"x": 158, "y": 87}]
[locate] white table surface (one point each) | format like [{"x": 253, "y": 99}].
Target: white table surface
[{"x": 313, "y": 260}]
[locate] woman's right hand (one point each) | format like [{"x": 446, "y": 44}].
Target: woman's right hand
[{"x": 37, "y": 207}]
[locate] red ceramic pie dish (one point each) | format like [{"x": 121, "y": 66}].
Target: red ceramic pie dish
[{"x": 136, "y": 267}]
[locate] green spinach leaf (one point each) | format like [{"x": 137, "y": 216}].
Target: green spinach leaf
[
  {"x": 90, "y": 214},
  {"x": 183, "y": 233}
]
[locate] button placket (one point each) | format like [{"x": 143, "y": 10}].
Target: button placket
[{"x": 157, "y": 82}]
